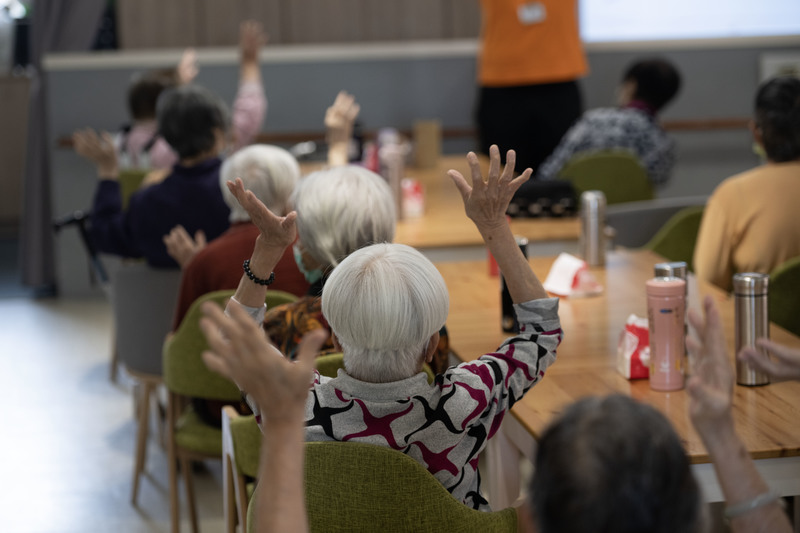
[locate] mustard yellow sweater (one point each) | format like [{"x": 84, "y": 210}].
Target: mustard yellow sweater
[{"x": 751, "y": 224}]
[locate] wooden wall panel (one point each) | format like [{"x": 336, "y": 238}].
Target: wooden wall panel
[
  {"x": 400, "y": 20},
  {"x": 325, "y": 21},
  {"x": 157, "y": 24},
  {"x": 464, "y": 18},
  {"x": 219, "y": 21},
  {"x": 182, "y": 23}
]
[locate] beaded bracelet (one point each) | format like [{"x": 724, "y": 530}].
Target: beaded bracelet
[
  {"x": 732, "y": 511},
  {"x": 253, "y": 278}
]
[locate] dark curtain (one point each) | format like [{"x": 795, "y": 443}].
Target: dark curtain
[{"x": 56, "y": 26}]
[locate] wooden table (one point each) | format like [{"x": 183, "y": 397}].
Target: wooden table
[
  {"x": 444, "y": 224},
  {"x": 766, "y": 417}
]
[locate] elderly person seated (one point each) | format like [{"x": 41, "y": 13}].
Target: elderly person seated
[
  {"x": 385, "y": 304},
  {"x": 587, "y": 478},
  {"x": 647, "y": 86},
  {"x": 271, "y": 173},
  {"x": 193, "y": 121},
  {"x": 750, "y": 223}
]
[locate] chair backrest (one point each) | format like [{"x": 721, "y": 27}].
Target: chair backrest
[
  {"x": 130, "y": 179},
  {"x": 185, "y": 372},
  {"x": 329, "y": 365},
  {"x": 677, "y": 238},
  {"x": 143, "y": 301},
  {"x": 276, "y": 298},
  {"x": 617, "y": 173},
  {"x": 354, "y": 487},
  {"x": 246, "y": 438},
  {"x": 635, "y": 223},
  {"x": 784, "y": 295}
]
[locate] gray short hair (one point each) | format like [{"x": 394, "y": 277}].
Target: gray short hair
[
  {"x": 269, "y": 171},
  {"x": 342, "y": 209},
  {"x": 383, "y": 303},
  {"x": 613, "y": 464}
]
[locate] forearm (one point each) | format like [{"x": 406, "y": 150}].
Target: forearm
[
  {"x": 262, "y": 264},
  {"x": 281, "y": 497},
  {"x": 741, "y": 482},
  {"x": 249, "y": 71},
  {"x": 522, "y": 283}
]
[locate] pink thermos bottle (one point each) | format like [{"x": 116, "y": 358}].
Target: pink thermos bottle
[{"x": 666, "y": 307}]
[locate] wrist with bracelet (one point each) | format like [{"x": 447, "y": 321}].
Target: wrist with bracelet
[
  {"x": 253, "y": 278},
  {"x": 742, "y": 508}
]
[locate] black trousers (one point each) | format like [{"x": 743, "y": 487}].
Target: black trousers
[{"x": 530, "y": 119}]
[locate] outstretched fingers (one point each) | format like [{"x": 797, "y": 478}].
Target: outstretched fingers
[{"x": 460, "y": 183}]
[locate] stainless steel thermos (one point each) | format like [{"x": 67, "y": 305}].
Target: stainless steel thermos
[
  {"x": 752, "y": 321},
  {"x": 592, "y": 241}
]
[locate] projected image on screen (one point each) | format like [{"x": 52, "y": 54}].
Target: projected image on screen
[{"x": 645, "y": 20}]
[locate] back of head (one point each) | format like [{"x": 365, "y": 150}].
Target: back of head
[
  {"x": 189, "y": 118},
  {"x": 657, "y": 81},
  {"x": 383, "y": 303},
  {"x": 778, "y": 118},
  {"x": 269, "y": 171},
  {"x": 144, "y": 91},
  {"x": 342, "y": 209},
  {"x": 613, "y": 465}
]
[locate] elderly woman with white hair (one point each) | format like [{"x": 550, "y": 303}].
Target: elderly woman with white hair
[
  {"x": 271, "y": 173},
  {"x": 385, "y": 304},
  {"x": 339, "y": 210}
]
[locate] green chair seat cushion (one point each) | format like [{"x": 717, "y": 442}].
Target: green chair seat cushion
[{"x": 192, "y": 434}]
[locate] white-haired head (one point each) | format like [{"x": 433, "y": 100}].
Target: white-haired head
[
  {"x": 269, "y": 171},
  {"x": 342, "y": 209},
  {"x": 384, "y": 303}
]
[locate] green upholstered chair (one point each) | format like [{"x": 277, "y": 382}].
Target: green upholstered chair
[
  {"x": 241, "y": 443},
  {"x": 784, "y": 295},
  {"x": 677, "y": 238},
  {"x": 186, "y": 376},
  {"x": 130, "y": 180},
  {"x": 353, "y": 487},
  {"x": 617, "y": 173},
  {"x": 276, "y": 298}
]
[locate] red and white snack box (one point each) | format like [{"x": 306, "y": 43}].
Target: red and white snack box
[{"x": 633, "y": 349}]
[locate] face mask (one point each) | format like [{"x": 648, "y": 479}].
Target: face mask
[{"x": 312, "y": 276}]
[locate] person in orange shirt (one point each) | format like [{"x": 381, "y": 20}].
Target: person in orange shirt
[{"x": 531, "y": 56}]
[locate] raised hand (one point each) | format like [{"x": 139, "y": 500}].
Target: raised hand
[
  {"x": 180, "y": 245},
  {"x": 99, "y": 149},
  {"x": 339, "y": 120},
  {"x": 240, "y": 351},
  {"x": 187, "y": 67},
  {"x": 486, "y": 201},
  {"x": 251, "y": 38},
  {"x": 784, "y": 365},
  {"x": 342, "y": 113},
  {"x": 711, "y": 385},
  {"x": 276, "y": 232}
]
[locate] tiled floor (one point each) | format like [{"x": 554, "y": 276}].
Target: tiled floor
[{"x": 66, "y": 447}]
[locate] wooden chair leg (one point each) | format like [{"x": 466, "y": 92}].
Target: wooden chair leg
[
  {"x": 242, "y": 503},
  {"x": 173, "y": 465},
  {"x": 141, "y": 437},
  {"x": 113, "y": 369},
  {"x": 186, "y": 467},
  {"x": 229, "y": 495}
]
